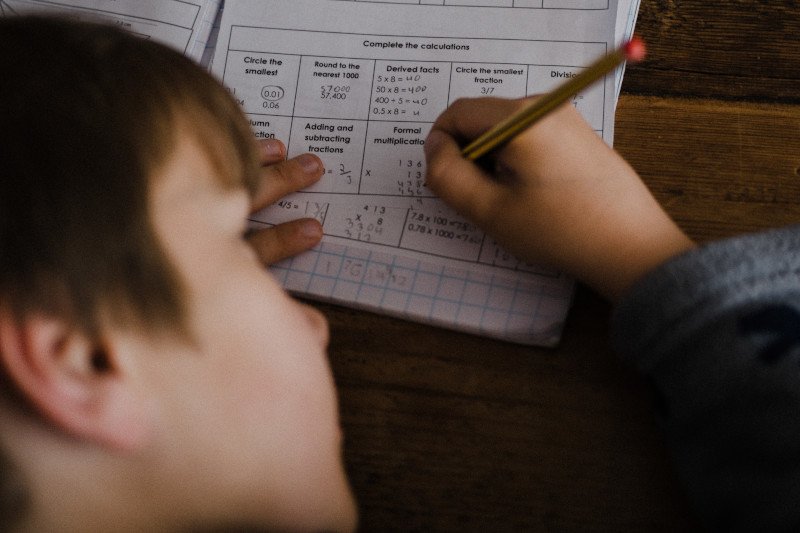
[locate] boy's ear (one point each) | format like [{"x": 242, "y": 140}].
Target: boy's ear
[{"x": 83, "y": 387}]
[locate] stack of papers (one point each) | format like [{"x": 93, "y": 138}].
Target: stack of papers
[{"x": 359, "y": 83}]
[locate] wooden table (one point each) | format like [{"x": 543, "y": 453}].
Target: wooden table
[{"x": 451, "y": 432}]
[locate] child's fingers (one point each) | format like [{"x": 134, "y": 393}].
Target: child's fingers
[
  {"x": 272, "y": 151},
  {"x": 458, "y": 181},
  {"x": 285, "y": 240},
  {"x": 467, "y": 118},
  {"x": 287, "y": 177}
]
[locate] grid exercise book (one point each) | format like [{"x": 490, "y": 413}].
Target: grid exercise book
[{"x": 360, "y": 84}]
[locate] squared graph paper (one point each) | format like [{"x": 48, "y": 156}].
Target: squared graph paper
[{"x": 527, "y": 309}]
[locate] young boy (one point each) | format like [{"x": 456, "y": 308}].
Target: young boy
[
  {"x": 153, "y": 376},
  {"x": 716, "y": 329}
]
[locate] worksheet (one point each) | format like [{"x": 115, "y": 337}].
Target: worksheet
[
  {"x": 184, "y": 25},
  {"x": 359, "y": 84}
]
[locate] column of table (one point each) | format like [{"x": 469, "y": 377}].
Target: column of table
[
  {"x": 406, "y": 99},
  {"x": 330, "y": 118}
]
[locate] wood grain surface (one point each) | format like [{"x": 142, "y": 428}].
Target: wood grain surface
[{"x": 452, "y": 432}]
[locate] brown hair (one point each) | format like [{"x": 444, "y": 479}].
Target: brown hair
[{"x": 88, "y": 114}]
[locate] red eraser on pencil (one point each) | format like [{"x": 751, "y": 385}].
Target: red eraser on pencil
[{"x": 635, "y": 50}]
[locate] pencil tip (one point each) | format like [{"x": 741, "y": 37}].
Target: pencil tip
[{"x": 635, "y": 50}]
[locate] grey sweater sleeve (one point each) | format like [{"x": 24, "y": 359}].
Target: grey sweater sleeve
[{"x": 717, "y": 333}]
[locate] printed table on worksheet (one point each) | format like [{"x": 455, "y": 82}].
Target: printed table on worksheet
[
  {"x": 367, "y": 118},
  {"x": 545, "y": 4}
]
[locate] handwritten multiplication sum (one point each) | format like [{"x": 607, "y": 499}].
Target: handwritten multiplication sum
[
  {"x": 394, "y": 164},
  {"x": 411, "y": 178},
  {"x": 366, "y": 223}
]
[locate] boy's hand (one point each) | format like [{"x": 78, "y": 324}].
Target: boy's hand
[
  {"x": 281, "y": 177},
  {"x": 557, "y": 194}
]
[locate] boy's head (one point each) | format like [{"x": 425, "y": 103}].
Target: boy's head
[{"x": 151, "y": 373}]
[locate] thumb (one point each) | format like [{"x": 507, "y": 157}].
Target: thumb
[{"x": 459, "y": 182}]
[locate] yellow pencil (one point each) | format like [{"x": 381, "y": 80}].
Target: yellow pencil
[{"x": 633, "y": 50}]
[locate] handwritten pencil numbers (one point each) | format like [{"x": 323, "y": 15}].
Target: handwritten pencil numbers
[
  {"x": 413, "y": 178},
  {"x": 365, "y": 224},
  {"x": 375, "y": 274},
  {"x": 345, "y": 174},
  {"x": 317, "y": 210},
  {"x": 334, "y": 92}
]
